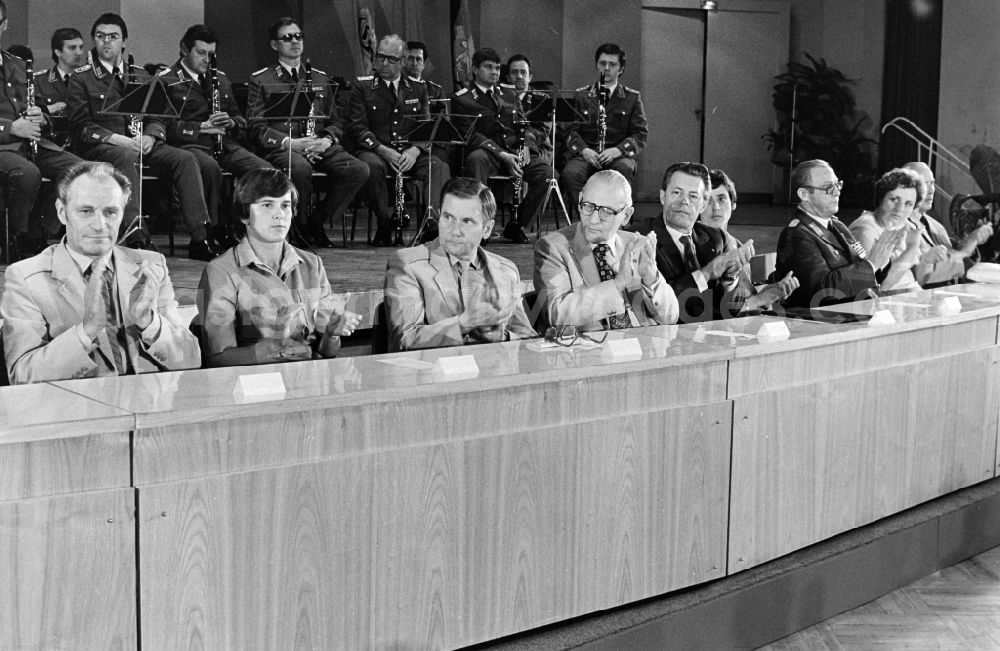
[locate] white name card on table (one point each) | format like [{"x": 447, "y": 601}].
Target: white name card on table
[
  {"x": 622, "y": 348},
  {"x": 773, "y": 331},
  {"x": 881, "y": 318},
  {"x": 259, "y": 387},
  {"x": 457, "y": 366},
  {"x": 948, "y": 305}
]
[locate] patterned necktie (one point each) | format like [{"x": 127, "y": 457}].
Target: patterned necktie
[
  {"x": 690, "y": 255},
  {"x": 112, "y": 324},
  {"x": 601, "y": 251}
]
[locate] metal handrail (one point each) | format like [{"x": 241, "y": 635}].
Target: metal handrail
[{"x": 926, "y": 142}]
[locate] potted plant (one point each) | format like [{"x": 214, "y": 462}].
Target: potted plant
[{"x": 817, "y": 102}]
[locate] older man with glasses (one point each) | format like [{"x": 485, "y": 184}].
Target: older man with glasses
[
  {"x": 595, "y": 276},
  {"x": 831, "y": 265}
]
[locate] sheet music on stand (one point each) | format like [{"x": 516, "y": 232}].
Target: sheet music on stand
[
  {"x": 442, "y": 129},
  {"x": 555, "y": 107},
  {"x": 140, "y": 100}
]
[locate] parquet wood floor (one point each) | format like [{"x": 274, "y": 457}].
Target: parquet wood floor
[{"x": 956, "y": 608}]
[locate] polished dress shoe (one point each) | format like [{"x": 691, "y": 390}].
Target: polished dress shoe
[
  {"x": 202, "y": 250},
  {"x": 513, "y": 232}
]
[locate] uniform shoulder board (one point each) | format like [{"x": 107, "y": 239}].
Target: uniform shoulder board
[
  {"x": 84, "y": 68},
  {"x": 13, "y": 56},
  {"x": 259, "y": 72},
  {"x": 511, "y": 86},
  {"x": 793, "y": 223},
  {"x": 462, "y": 92},
  {"x": 431, "y": 83},
  {"x": 220, "y": 72},
  {"x": 587, "y": 87},
  {"x": 630, "y": 90},
  {"x": 317, "y": 71},
  {"x": 419, "y": 81},
  {"x": 39, "y": 73},
  {"x": 163, "y": 72},
  {"x": 366, "y": 78}
]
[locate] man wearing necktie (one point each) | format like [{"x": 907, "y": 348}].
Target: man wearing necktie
[
  {"x": 595, "y": 276},
  {"x": 199, "y": 126},
  {"x": 85, "y": 307},
  {"x": 451, "y": 291},
  {"x": 52, "y": 84},
  {"x": 699, "y": 263},
  {"x": 832, "y": 267},
  {"x": 956, "y": 256},
  {"x": 383, "y": 108},
  {"x": 493, "y": 147}
]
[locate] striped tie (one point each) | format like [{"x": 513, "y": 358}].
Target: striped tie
[
  {"x": 112, "y": 324},
  {"x": 601, "y": 251}
]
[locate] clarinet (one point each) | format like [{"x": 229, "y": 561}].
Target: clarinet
[
  {"x": 30, "y": 83},
  {"x": 399, "y": 213},
  {"x": 602, "y": 114},
  {"x": 213, "y": 84},
  {"x": 311, "y": 121},
  {"x": 522, "y": 160}
]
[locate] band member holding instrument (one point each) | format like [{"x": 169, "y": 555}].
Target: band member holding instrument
[
  {"x": 209, "y": 124},
  {"x": 52, "y": 84},
  {"x": 285, "y": 143},
  {"x": 382, "y": 109},
  {"x": 20, "y": 130},
  {"x": 624, "y": 131},
  {"x": 100, "y": 135}
]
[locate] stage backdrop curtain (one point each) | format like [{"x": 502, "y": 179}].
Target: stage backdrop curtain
[{"x": 912, "y": 74}]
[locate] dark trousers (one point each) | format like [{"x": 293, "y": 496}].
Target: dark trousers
[
  {"x": 480, "y": 165},
  {"x": 177, "y": 167},
  {"x": 377, "y": 187},
  {"x": 576, "y": 172},
  {"x": 235, "y": 159},
  {"x": 346, "y": 176},
  {"x": 22, "y": 180}
]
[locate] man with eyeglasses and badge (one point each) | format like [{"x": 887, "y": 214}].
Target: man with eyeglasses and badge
[
  {"x": 105, "y": 136},
  {"x": 831, "y": 265},
  {"x": 384, "y": 107},
  {"x": 285, "y": 143},
  {"x": 595, "y": 276}
]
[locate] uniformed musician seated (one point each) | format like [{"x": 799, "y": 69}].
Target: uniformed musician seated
[
  {"x": 595, "y": 276},
  {"x": 451, "y": 291},
  {"x": 264, "y": 300},
  {"x": 832, "y": 266},
  {"x": 85, "y": 307},
  {"x": 383, "y": 109}
]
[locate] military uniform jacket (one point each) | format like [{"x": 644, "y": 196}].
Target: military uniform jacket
[
  {"x": 535, "y": 137},
  {"x": 195, "y": 106},
  {"x": 626, "y": 122},
  {"x": 91, "y": 89},
  {"x": 374, "y": 118},
  {"x": 50, "y": 87},
  {"x": 268, "y": 134},
  {"x": 494, "y": 130},
  {"x": 830, "y": 269},
  {"x": 14, "y": 102}
]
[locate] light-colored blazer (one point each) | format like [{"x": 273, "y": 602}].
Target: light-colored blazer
[
  {"x": 423, "y": 301},
  {"x": 570, "y": 285},
  {"x": 43, "y": 302}
]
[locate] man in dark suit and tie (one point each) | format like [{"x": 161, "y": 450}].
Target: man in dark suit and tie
[
  {"x": 832, "y": 267},
  {"x": 698, "y": 261}
]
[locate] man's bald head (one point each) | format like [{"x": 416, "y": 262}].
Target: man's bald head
[
  {"x": 611, "y": 181},
  {"x": 926, "y": 176}
]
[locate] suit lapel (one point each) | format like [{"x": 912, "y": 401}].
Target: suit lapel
[
  {"x": 444, "y": 276},
  {"x": 670, "y": 257},
  {"x": 585, "y": 258},
  {"x": 67, "y": 274}
]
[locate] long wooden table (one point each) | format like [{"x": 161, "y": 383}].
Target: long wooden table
[{"x": 383, "y": 503}]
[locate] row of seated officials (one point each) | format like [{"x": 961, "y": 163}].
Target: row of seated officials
[
  {"x": 86, "y": 307},
  {"x": 355, "y": 137}
]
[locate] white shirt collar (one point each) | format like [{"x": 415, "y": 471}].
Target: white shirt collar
[
  {"x": 111, "y": 69},
  {"x": 289, "y": 68},
  {"x": 192, "y": 73},
  {"x": 485, "y": 90},
  {"x": 82, "y": 261},
  {"x": 612, "y": 245},
  {"x": 823, "y": 221},
  {"x": 676, "y": 235}
]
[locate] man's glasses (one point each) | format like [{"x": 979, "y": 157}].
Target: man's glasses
[
  {"x": 291, "y": 36},
  {"x": 568, "y": 335},
  {"x": 606, "y": 213},
  {"x": 830, "y": 188},
  {"x": 387, "y": 58},
  {"x": 113, "y": 36}
]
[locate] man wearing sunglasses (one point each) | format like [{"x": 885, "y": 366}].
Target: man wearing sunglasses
[
  {"x": 831, "y": 265},
  {"x": 384, "y": 107},
  {"x": 595, "y": 276},
  {"x": 288, "y": 143}
]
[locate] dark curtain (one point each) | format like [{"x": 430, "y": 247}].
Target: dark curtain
[{"x": 912, "y": 75}]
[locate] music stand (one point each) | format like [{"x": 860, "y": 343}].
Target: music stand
[
  {"x": 556, "y": 106},
  {"x": 141, "y": 100},
  {"x": 442, "y": 129}
]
